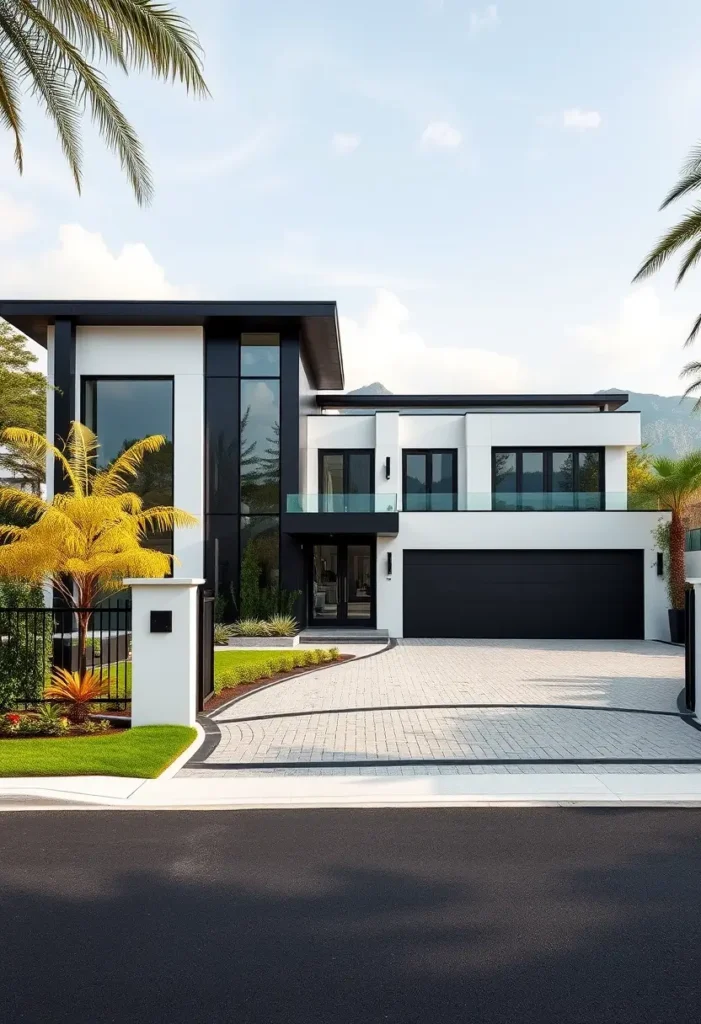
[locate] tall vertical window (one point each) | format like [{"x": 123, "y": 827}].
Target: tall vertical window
[
  {"x": 259, "y": 527},
  {"x": 545, "y": 480},
  {"x": 430, "y": 481}
]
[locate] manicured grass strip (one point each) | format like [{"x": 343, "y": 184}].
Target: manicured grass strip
[
  {"x": 234, "y": 667},
  {"x": 141, "y": 753}
]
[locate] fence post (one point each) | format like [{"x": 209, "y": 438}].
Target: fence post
[
  {"x": 164, "y": 651},
  {"x": 692, "y": 623}
]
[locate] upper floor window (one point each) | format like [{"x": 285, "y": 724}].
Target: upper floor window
[
  {"x": 430, "y": 481},
  {"x": 547, "y": 479},
  {"x": 347, "y": 480},
  {"x": 260, "y": 355}
]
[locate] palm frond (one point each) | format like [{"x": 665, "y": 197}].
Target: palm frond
[
  {"x": 688, "y": 183},
  {"x": 9, "y": 109},
  {"x": 693, "y": 369},
  {"x": 34, "y": 447},
  {"x": 687, "y": 228},
  {"x": 690, "y": 260},
  {"x": 160, "y": 518},
  {"x": 112, "y": 481},
  {"x": 83, "y": 23},
  {"x": 82, "y": 447},
  {"x": 89, "y": 83},
  {"x": 154, "y": 36},
  {"x": 24, "y": 502},
  {"x": 693, "y": 161},
  {"x": 691, "y": 337},
  {"x": 38, "y": 65}
]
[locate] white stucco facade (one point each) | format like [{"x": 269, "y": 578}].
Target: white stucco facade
[{"x": 176, "y": 352}]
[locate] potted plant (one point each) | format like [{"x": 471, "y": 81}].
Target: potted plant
[{"x": 674, "y": 485}]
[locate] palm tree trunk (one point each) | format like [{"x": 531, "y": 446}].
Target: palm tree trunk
[{"x": 677, "y": 571}]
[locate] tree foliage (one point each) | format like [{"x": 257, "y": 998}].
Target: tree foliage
[
  {"x": 22, "y": 400},
  {"x": 674, "y": 485},
  {"x": 51, "y": 48}
]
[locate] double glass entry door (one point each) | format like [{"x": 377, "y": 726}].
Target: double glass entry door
[{"x": 342, "y": 585}]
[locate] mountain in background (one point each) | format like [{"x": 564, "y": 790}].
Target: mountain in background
[{"x": 670, "y": 426}]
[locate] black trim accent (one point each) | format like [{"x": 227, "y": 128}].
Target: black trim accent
[
  {"x": 318, "y": 322},
  {"x": 436, "y": 761},
  {"x": 340, "y": 523},
  {"x": 291, "y": 555},
  {"x": 454, "y": 707},
  {"x": 429, "y": 453},
  {"x": 351, "y": 401},
  {"x": 65, "y": 394}
]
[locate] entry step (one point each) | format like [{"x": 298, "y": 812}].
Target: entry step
[{"x": 344, "y": 636}]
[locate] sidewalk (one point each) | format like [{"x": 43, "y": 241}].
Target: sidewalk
[{"x": 93, "y": 792}]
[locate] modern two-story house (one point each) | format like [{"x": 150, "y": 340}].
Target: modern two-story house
[{"x": 476, "y": 516}]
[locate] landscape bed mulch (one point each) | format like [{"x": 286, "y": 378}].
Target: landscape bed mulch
[
  {"x": 224, "y": 696},
  {"x": 70, "y": 735}
]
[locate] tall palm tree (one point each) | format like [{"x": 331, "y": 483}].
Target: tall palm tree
[
  {"x": 674, "y": 485},
  {"x": 87, "y": 540},
  {"x": 48, "y": 48}
]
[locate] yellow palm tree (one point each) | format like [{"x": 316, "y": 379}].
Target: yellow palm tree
[{"x": 87, "y": 540}]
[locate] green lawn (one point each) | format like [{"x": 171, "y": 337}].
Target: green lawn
[
  {"x": 142, "y": 753},
  {"x": 234, "y": 667}
]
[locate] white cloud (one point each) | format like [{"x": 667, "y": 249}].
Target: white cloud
[
  {"x": 82, "y": 266},
  {"x": 441, "y": 135},
  {"x": 343, "y": 143},
  {"x": 483, "y": 21},
  {"x": 384, "y": 347},
  {"x": 581, "y": 120},
  {"x": 639, "y": 348},
  {"x": 15, "y": 218}
]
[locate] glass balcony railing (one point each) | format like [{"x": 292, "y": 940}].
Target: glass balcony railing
[
  {"x": 486, "y": 501},
  {"x": 341, "y": 503}
]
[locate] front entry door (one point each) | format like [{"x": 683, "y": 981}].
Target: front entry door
[{"x": 342, "y": 590}]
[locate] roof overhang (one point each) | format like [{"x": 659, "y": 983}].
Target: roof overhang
[
  {"x": 317, "y": 322},
  {"x": 602, "y": 401}
]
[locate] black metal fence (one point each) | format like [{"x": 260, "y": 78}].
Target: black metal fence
[
  {"x": 35, "y": 641},
  {"x": 690, "y": 650},
  {"x": 205, "y": 678}
]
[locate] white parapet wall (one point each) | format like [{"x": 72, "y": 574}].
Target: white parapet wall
[{"x": 164, "y": 664}]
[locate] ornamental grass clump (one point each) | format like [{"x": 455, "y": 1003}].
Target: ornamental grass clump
[{"x": 77, "y": 690}]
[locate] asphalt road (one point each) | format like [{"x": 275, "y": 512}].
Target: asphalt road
[{"x": 485, "y": 916}]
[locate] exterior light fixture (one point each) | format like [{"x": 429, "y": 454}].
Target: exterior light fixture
[
  {"x": 660, "y": 564},
  {"x": 389, "y": 563},
  {"x": 387, "y": 467}
]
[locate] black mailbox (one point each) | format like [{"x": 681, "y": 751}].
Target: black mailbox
[{"x": 161, "y": 622}]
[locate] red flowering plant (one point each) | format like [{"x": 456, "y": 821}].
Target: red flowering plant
[{"x": 13, "y": 718}]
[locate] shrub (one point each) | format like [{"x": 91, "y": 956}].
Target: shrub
[
  {"x": 282, "y": 625},
  {"x": 25, "y": 645},
  {"x": 52, "y": 720},
  {"x": 250, "y": 627},
  {"x": 222, "y": 633},
  {"x": 335, "y": 653},
  {"x": 78, "y": 691}
]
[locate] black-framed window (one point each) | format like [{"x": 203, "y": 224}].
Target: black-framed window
[
  {"x": 547, "y": 479},
  {"x": 260, "y": 355},
  {"x": 122, "y": 410},
  {"x": 430, "y": 480},
  {"x": 347, "y": 480}
]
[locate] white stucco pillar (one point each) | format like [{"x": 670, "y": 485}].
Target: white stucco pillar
[{"x": 164, "y": 663}]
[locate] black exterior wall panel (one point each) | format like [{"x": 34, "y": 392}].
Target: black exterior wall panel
[
  {"x": 64, "y": 395},
  {"x": 222, "y": 443},
  {"x": 292, "y": 382},
  {"x": 524, "y": 594}
]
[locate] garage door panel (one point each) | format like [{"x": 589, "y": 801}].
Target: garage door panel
[{"x": 524, "y": 594}]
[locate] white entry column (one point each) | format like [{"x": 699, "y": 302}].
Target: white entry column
[{"x": 163, "y": 651}]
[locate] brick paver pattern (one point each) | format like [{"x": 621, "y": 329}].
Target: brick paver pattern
[{"x": 281, "y": 724}]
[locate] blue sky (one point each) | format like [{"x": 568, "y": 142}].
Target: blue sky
[{"x": 475, "y": 184}]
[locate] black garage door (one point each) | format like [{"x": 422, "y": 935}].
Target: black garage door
[{"x": 557, "y": 595}]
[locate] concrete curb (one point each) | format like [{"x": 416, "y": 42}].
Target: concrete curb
[{"x": 103, "y": 793}]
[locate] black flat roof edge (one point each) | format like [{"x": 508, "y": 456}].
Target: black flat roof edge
[
  {"x": 319, "y": 321},
  {"x": 614, "y": 401}
]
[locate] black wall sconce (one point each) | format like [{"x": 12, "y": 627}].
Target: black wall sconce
[
  {"x": 387, "y": 467},
  {"x": 389, "y": 563},
  {"x": 660, "y": 564}
]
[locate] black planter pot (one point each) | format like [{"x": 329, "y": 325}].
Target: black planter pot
[{"x": 677, "y": 631}]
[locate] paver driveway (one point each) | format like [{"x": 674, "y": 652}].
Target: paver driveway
[{"x": 416, "y": 701}]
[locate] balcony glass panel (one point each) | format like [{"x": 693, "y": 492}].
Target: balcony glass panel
[{"x": 341, "y": 502}]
